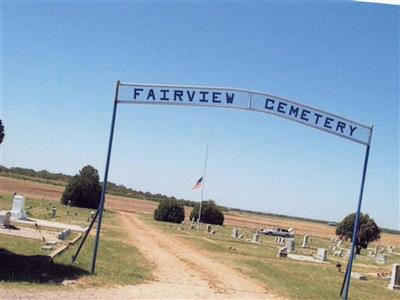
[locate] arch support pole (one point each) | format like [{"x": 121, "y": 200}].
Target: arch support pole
[
  {"x": 104, "y": 189},
  {"x": 346, "y": 282}
]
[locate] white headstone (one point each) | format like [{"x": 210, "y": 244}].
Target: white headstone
[
  {"x": 305, "y": 241},
  {"x": 192, "y": 223},
  {"x": 395, "y": 279},
  {"x": 380, "y": 259},
  {"x": 235, "y": 232},
  {"x": 376, "y": 249},
  {"x": 256, "y": 238},
  {"x": 290, "y": 245},
  {"x": 321, "y": 254},
  {"x": 17, "y": 210}
]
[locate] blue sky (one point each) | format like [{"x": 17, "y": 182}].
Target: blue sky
[{"x": 60, "y": 62}]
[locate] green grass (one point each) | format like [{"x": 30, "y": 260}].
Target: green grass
[
  {"x": 288, "y": 278},
  {"x": 118, "y": 262},
  {"x": 42, "y": 209}
]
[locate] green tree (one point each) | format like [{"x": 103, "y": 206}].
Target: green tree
[
  {"x": 169, "y": 210},
  {"x": 83, "y": 189},
  {"x": 1, "y": 131},
  {"x": 210, "y": 213},
  {"x": 368, "y": 230}
]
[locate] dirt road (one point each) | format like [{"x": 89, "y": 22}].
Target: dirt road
[
  {"x": 183, "y": 269},
  {"x": 180, "y": 273}
]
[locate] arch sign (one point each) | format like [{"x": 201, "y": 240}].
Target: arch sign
[
  {"x": 247, "y": 100},
  {"x": 219, "y": 97}
]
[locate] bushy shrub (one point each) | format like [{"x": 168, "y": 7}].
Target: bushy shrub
[
  {"x": 169, "y": 211},
  {"x": 210, "y": 213},
  {"x": 83, "y": 189}
]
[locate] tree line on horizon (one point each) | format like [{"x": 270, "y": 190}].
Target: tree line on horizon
[{"x": 45, "y": 176}]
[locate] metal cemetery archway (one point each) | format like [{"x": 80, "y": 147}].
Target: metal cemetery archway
[{"x": 127, "y": 93}]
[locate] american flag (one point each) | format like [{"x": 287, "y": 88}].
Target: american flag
[{"x": 197, "y": 185}]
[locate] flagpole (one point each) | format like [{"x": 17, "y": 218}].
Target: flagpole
[{"x": 202, "y": 187}]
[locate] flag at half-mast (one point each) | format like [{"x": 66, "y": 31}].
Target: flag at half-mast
[{"x": 198, "y": 184}]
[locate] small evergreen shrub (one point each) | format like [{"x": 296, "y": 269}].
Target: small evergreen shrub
[
  {"x": 210, "y": 213},
  {"x": 169, "y": 211}
]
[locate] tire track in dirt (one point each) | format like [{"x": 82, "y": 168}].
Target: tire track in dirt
[{"x": 179, "y": 264}]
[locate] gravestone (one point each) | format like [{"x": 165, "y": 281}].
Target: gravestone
[
  {"x": 7, "y": 220},
  {"x": 64, "y": 234},
  {"x": 192, "y": 223},
  {"x": 380, "y": 259},
  {"x": 305, "y": 241},
  {"x": 358, "y": 276},
  {"x": 53, "y": 212},
  {"x": 376, "y": 250},
  {"x": 256, "y": 238},
  {"x": 290, "y": 245},
  {"x": 339, "y": 244},
  {"x": 47, "y": 247},
  {"x": 92, "y": 215},
  {"x": 395, "y": 278},
  {"x": 321, "y": 254},
  {"x": 282, "y": 252},
  {"x": 337, "y": 252},
  {"x": 18, "y": 206},
  {"x": 283, "y": 241},
  {"x": 235, "y": 232},
  {"x": 276, "y": 239},
  {"x": 208, "y": 228}
]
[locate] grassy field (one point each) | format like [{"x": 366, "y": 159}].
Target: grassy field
[
  {"x": 289, "y": 278},
  {"x": 118, "y": 263},
  {"x": 293, "y": 279}
]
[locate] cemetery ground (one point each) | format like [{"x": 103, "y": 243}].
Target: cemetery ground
[
  {"x": 172, "y": 260},
  {"x": 289, "y": 278},
  {"x": 29, "y": 267}
]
